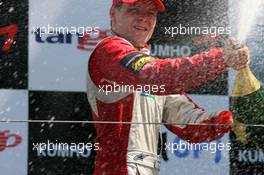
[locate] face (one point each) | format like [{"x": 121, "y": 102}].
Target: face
[{"x": 135, "y": 22}]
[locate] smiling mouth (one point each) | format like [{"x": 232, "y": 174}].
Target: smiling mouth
[{"x": 140, "y": 28}]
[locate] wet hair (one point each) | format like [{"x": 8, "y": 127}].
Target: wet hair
[{"x": 119, "y": 6}]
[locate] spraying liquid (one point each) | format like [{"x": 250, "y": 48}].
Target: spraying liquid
[
  {"x": 249, "y": 9},
  {"x": 247, "y": 97}
]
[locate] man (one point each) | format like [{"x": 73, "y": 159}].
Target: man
[{"x": 123, "y": 60}]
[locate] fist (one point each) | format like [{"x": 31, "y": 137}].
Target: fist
[{"x": 236, "y": 58}]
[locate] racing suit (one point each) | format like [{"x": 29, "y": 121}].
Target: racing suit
[{"x": 131, "y": 148}]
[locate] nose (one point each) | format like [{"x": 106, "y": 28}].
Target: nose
[{"x": 143, "y": 16}]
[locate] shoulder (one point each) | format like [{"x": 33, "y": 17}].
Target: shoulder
[{"x": 114, "y": 45}]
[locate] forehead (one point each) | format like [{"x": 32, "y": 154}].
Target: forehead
[{"x": 144, "y": 4}]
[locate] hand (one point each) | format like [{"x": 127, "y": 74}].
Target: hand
[
  {"x": 225, "y": 120},
  {"x": 236, "y": 58}
]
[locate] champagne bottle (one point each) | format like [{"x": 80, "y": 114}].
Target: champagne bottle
[{"x": 247, "y": 104}]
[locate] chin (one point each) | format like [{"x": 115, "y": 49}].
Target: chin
[{"x": 142, "y": 42}]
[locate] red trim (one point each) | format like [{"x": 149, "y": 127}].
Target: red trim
[
  {"x": 197, "y": 134},
  {"x": 121, "y": 117},
  {"x": 113, "y": 138}
]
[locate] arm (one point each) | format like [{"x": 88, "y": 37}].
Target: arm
[
  {"x": 117, "y": 60},
  {"x": 180, "y": 109}
]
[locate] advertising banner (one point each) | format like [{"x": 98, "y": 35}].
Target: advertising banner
[
  {"x": 13, "y": 136},
  {"x": 13, "y": 44},
  {"x": 62, "y": 34}
]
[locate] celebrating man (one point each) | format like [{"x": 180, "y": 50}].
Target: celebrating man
[{"x": 129, "y": 143}]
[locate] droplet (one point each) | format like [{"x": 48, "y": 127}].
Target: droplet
[
  {"x": 52, "y": 118},
  {"x": 11, "y": 9},
  {"x": 32, "y": 101},
  {"x": 77, "y": 109},
  {"x": 15, "y": 74},
  {"x": 8, "y": 109}
]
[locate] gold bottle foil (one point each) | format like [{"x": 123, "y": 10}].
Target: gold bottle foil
[{"x": 245, "y": 83}]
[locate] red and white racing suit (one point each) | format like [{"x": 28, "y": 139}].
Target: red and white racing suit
[{"x": 132, "y": 148}]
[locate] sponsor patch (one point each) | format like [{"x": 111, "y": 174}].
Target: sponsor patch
[
  {"x": 143, "y": 94},
  {"x": 135, "y": 61}
]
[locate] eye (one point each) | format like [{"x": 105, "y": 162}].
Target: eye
[
  {"x": 152, "y": 13},
  {"x": 133, "y": 11}
]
